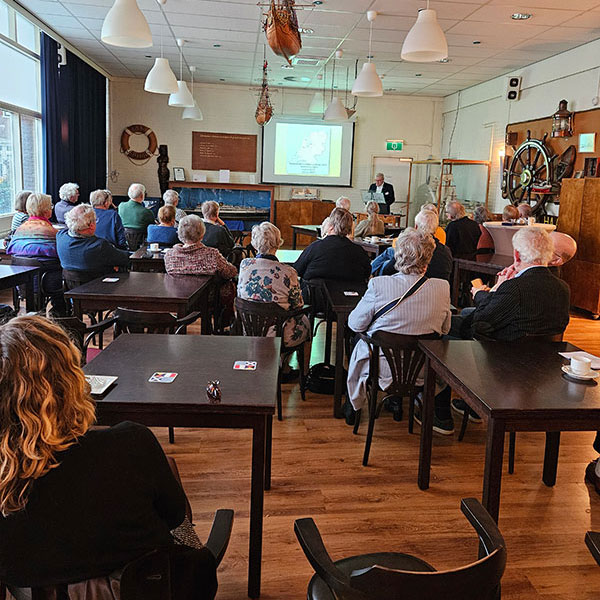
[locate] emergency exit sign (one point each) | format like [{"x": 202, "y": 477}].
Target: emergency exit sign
[{"x": 394, "y": 145}]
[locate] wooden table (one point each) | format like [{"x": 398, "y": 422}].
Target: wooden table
[
  {"x": 373, "y": 248},
  {"x": 516, "y": 386},
  {"x": 248, "y": 399},
  {"x": 144, "y": 260},
  {"x": 12, "y": 276},
  {"x": 311, "y": 230},
  {"x": 288, "y": 257},
  {"x": 342, "y": 306},
  {"x": 477, "y": 263},
  {"x": 178, "y": 294}
]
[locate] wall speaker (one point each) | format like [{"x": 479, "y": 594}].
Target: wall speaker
[{"x": 513, "y": 88}]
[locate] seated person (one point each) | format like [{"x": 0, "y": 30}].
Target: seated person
[
  {"x": 217, "y": 233},
  {"x": 439, "y": 234},
  {"x": 69, "y": 195},
  {"x": 525, "y": 210},
  {"x": 171, "y": 198},
  {"x": 427, "y": 310},
  {"x": 510, "y": 214},
  {"x": 79, "y": 249},
  {"x": 334, "y": 256},
  {"x": 462, "y": 233},
  {"x": 372, "y": 225},
  {"x": 133, "y": 213},
  {"x": 36, "y": 238},
  {"x": 440, "y": 266},
  {"x": 165, "y": 233},
  {"x": 76, "y": 502},
  {"x": 485, "y": 245},
  {"x": 343, "y": 202},
  {"x": 20, "y": 215},
  {"x": 108, "y": 222}
]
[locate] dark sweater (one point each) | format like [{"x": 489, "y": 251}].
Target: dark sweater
[
  {"x": 110, "y": 227},
  {"x": 462, "y": 236},
  {"x": 112, "y": 498},
  {"x": 218, "y": 237},
  {"x": 334, "y": 257}
]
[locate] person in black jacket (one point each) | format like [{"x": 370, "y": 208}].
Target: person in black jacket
[
  {"x": 334, "y": 256},
  {"x": 387, "y": 189},
  {"x": 462, "y": 233},
  {"x": 217, "y": 234}
]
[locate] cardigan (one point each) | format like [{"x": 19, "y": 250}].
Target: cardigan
[
  {"x": 35, "y": 238},
  {"x": 162, "y": 234},
  {"x": 110, "y": 227},
  {"x": 135, "y": 215},
  {"x": 219, "y": 237},
  {"x": 197, "y": 259}
]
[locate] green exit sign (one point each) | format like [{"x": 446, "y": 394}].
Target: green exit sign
[{"x": 395, "y": 145}]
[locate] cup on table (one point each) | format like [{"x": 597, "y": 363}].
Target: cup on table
[
  {"x": 580, "y": 365},
  {"x": 154, "y": 247}
]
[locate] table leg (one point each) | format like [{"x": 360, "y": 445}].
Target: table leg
[
  {"x": 492, "y": 477},
  {"x": 294, "y": 234},
  {"x": 328, "y": 336},
  {"x": 426, "y": 426},
  {"x": 268, "y": 452},
  {"x": 29, "y": 294},
  {"x": 339, "y": 365},
  {"x": 257, "y": 497},
  {"x": 455, "y": 284},
  {"x": 551, "y": 457},
  {"x": 77, "y": 308}
]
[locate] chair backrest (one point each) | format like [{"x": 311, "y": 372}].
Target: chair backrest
[
  {"x": 403, "y": 355},
  {"x": 135, "y": 238},
  {"x": 77, "y": 329},
  {"x": 143, "y": 321},
  {"x": 73, "y": 279},
  {"x": 259, "y": 318},
  {"x": 45, "y": 266}
]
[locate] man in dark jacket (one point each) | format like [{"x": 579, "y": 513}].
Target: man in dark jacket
[
  {"x": 462, "y": 233},
  {"x": 387, "y": 189},
  {"x": 217, "y": 234}
]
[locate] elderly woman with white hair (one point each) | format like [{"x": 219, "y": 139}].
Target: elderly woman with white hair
[
  {"x": 343, "y": 202},
  {"x": 108, "y": 222},
  {"x": 422, "y": 307},
  {"x": 372, "y": 225},
  {"x": 217, "y": 233},
  {"x": 79, "y": 249},
  {"x": 69, "y": 195},
  {"x": 265, "y": 279},
  {"x": 171, "y": 198}
]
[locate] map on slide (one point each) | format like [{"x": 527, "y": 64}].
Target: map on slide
[{"x": 308, "y": 150}]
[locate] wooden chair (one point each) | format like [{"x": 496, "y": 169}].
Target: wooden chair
[
  {"x": 135, "y": 238},
  {"x": 83, "y": 334},
  {"x": 405, "y": 360},
  {"x": 592, "y": 540},
  {"x": 396, "y": 576},
  {"x": 259, "y": 319},
  {"x": 44, "y": 290}
]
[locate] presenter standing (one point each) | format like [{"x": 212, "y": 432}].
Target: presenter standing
[{"x": 387, "y": 189}]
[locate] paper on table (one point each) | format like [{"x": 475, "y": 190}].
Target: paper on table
[{"x": 595, "y": 359}]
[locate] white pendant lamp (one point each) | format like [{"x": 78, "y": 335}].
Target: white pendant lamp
[
  {"x": 368, "y": 84},
  {"x": 335, "y": 111},
  {"x": 160, "y": 78},
  {"x": 316, "y": 104},
  {"x": 126, "y": 26},
  {"x": 193, "y": 113},
  {"x": 426, "y": 41},
  {"x": 182, "y": 97}
]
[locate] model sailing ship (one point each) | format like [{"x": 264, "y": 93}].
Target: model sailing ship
[{"x": 281, "y": 29}]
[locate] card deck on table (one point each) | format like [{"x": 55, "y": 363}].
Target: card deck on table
[
  {"x": 350, "y": 293},
  {"x": 161, "y": 377},
  {"x": 244, "y": 365},
  {"x": 110, "y": 279}
]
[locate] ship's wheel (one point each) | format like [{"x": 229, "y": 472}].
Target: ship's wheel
[{"x": 530, "y": 174}]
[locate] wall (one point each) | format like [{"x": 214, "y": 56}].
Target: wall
[
  {"x": 477, "y": 131},
  {"x": 230, "y": 109}
]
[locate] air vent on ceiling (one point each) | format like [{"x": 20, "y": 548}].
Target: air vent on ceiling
[{"x": 307, "y": 61}]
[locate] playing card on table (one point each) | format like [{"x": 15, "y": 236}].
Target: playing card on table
[
  {"x": 244, "y": 365},
  {"x": 161, "y": 377}
]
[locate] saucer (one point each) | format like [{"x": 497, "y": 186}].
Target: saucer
[{"x": 589, "y": 377}]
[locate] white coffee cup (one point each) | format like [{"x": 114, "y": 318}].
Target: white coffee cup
[
  {"x": 154, "y": 247},
  {"x": 580, "y": 365}
]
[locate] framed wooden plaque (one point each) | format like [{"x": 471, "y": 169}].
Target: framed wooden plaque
[{"x": 216, "y": 151}]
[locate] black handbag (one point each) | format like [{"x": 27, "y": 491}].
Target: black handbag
[{"x": 321, "y": 378}]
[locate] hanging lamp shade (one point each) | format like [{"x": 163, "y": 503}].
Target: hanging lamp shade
[
  {"x": 426, "y": 41},
  {"x": 193, "y": 113},
  {"x": 126, "y": 26},
  {"x": 160, "y": 78},
  {"x": 316, "y": 104},
  {"x": 182, "y": 97},
  {"x": 335, "y": 111},
  {"x": 368, "y": 84}
]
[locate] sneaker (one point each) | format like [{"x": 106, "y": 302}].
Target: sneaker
[
  {"x": 441, "y": 426},
  {"x": 459, "y": 406}
]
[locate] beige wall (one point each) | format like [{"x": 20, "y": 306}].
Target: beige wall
[{"x": 230, "y": 109}]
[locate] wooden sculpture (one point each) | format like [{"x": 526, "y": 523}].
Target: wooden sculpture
[{"x": 281, "y": 28}]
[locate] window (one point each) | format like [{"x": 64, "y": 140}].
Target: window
[{"x": 20, "y": 105}]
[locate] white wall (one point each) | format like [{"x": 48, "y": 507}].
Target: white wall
[
  {"x": 230, "y": 109},
  {"x": 484, "y": 114}
]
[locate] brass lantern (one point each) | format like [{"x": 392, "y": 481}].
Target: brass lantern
[{"x": 562, "y": 121}]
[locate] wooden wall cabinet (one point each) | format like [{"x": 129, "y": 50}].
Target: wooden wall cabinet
[
  {"x": 300, "y": 212},
  {"x": 579, "y": 217}
]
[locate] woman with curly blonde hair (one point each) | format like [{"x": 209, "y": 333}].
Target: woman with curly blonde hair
[{"x": 76, "y": 503}]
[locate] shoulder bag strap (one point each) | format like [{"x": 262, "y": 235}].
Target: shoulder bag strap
[{"x": 391, "y": 305}]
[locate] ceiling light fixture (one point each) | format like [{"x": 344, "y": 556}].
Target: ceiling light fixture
[
  {"x": 126, "y": 26},
  {"x": 445, "y": 60},
  {"x": 336, "y": 111},
  {"x": 368, "y": 84},
  {"x": 306, "y": 30},
  {"x": 287, "y": 67},
  {"x": 426, "y": 41},
  {"x": 476, "y": 42},
  {"x": 317, "y": 104},
  {"x": 160, "y": 78},
  {"x": 193, "y": 112},
  {"x": 521, "y": 16},
  {"x": 182, "y": 97}
]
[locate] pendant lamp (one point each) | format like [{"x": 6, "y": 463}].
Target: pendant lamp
[
  {"x": 316, "y": 104},
  {"x": 182, "y": 97},
  {"x": 426, "y": 41},
  {"x": 368, "y": 84},
  {"x": 193, "y": 113},
  {"x": 336, "y": 110},
  {"x": 126, "y": 26},
  {"x": 161, "y": 79}
]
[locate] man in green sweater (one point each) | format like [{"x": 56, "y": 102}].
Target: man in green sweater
[{"x": 133, "y": 213}]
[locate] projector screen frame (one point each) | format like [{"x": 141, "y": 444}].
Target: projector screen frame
[{"x": 308, "y": 121}]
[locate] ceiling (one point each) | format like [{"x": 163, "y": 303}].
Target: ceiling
[{"x": 505, "y": 45}]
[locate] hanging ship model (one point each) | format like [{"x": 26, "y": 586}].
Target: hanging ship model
[
  {"x": 281, "y": 29},
  {"x": 264, "y": 110}
]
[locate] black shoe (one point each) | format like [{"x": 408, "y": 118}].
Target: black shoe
[
  {"x": 591, "y": 477},
  {"x": 459, "y": 405},
  {"x": 290, "y": 376},
  {"x": 349, "y": 413},
  {"x": 441, "y": 426},
  {"x": 393, "y": 404}
]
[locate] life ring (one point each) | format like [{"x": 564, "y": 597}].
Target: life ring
[{"x": 143, "y": 130}]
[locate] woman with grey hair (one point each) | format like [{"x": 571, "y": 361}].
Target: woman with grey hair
[
  {"x": 69, "y": 195},
  {"x": 217, "y": 233},
  {"x": 109, "y": 225},
  {"x": 422, "y": 307},
  {"x": 79, "y": 249},
  {"x": 372, "y": 225},
  {"x": 485, "y": 245},
  {"x": 265, "y": 279},
  {"x": 20, "y": 215},
  {"x": 171, "y": 198}
]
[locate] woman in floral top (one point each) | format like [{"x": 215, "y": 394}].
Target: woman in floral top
[{"x": 265, "y": 279}]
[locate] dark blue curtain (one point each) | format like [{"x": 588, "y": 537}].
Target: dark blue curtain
[{"x": 73, "y": 122}]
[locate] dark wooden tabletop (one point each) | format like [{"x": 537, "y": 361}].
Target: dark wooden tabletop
[
  {"x": 197, "y": 360},
  {"x": 519, "y": 379},
  {"x": 340, "y": 302},
  {"x": 495, "y": 261},
  {"x": 144, "y": 252},
  {"x": 7, "y": 271},
  {"x": 313, "y": 229}
]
